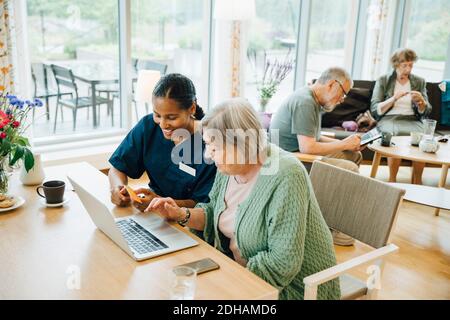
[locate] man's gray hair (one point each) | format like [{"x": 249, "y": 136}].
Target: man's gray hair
[{"x": 335, "y": 73}]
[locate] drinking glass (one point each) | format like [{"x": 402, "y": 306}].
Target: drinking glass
[
  {"x": 429, "y": 125},
  {"x": 182, "y": 283}
]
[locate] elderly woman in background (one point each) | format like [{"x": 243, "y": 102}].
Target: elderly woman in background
[
  {"x": 399, "y": 103},
  {"x": 262, "y": 210}
]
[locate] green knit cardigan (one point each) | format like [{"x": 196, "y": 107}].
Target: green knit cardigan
[{"x": 279, "y": 228}]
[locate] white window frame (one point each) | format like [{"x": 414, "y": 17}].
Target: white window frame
[
  {"x": 64, "y": 142},
  {"x": 304, "y": 19},
  {"x": 354, "y": 43},
  {"x": 359, "y": 39},
  {"x": 403, "y": 15}
]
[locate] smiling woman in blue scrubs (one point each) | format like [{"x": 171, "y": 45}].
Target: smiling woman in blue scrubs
[{"x": 175, "y": 166}]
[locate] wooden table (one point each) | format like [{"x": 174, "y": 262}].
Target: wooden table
[
  {"x": 428, "y": 196},
  {"x": 404, "y": 150},
  {"x": 43, "y": 250}
]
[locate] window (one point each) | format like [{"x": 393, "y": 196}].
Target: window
[
  {"x": 169, "y": 36},
  {"x": 329, "y": 36},
  {"x": 429, "y": 34},
  {"x": 272, "y": 37},
  {"x": 80, "y": 39}
]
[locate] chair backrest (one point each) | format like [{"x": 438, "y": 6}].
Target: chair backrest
[
  {"x": 361, "y": 207},
  {"x": 64, "y": 77},
  {"x": 42, "y": 77},
  {"x": 134, "y": 63},
  {"x": 151, "y": 65},
  {"x": 33, "y": 77}
]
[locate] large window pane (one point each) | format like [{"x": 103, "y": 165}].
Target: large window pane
[
  {"x": 81, "y": 39},
  {"x": 428, "y": 34},
  {"x": 329, "y": 33},
  {"x": 169, "y": 35},
  {"x": 272, "y": 38}
]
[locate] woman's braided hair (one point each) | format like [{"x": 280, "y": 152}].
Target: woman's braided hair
[{"x": 180, "y": 88}]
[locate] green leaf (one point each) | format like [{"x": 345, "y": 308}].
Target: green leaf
[
  {"x": 29, "y": 160},
  {"x": 18, "y": 154},
  {"x": 5, "y": 147},
  {"x": 23, "y": 141}
]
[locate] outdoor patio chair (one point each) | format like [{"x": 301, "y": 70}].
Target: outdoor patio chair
[
  {"x": 65, "y": 79},
  {"x": 42, "y": 88}
]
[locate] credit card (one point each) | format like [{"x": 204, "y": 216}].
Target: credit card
[{"x": 133, "y": 194}]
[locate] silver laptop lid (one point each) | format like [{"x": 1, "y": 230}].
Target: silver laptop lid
[{"x": 100, "y": 215}]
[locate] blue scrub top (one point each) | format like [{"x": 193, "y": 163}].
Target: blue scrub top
[{"x": 146, "y": 149}]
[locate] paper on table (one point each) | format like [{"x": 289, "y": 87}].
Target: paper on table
[{"x": 133, "y": 194}]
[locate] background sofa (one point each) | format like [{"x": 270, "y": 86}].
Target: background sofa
[{"x": 358, "y": 101}]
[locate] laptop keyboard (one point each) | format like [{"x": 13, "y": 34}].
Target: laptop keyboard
[{"x": 138, "y": 238}]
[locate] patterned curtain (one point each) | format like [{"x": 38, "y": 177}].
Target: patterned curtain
[
  {"x": 236, "y": 59},
  {"x": 377, "y": 25},
  {"x": 6, "y": 68}
]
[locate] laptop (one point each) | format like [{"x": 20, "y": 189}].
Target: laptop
[
  {"x": 370, "y": 136},
  {"x": 141, "y": 236}
]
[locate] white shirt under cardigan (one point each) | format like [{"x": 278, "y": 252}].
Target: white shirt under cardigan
[
  {"x": 402, "y": 106},
  {"x": 235, "y": 194}
]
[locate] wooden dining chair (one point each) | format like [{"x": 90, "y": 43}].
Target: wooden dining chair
[{"x": 363, "y": 208}]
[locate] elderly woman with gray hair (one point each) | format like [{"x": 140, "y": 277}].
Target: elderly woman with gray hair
[
  {"x": 262, "y": 210},
  {"x": 399, "y": 103}
]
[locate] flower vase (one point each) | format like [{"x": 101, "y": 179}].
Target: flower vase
[
  {"x": 263, "y": 103},
  {"x": 265, "y": 118},
  {"x": 4, "y": 175},
  {"x": 36, "y": 174}
]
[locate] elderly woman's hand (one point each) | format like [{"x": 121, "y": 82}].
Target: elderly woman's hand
[
  {"x": 166, "y": 207},
  {"x": 417, "y": 97},
  {"x": 400, "y": 94}
]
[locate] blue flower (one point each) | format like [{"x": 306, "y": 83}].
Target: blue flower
[
  {"x": 20, "y": 104},
  {"x": 38, "y": 102},
  {"x": 30, "y": 103},
  {"x": 11, "y": 96},
  {"x": 13, "y": 101}
]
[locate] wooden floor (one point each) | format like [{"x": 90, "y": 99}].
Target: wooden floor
[{"x": 421, "y": 268}]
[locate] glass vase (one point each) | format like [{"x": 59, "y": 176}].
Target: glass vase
[
  {"x": 4, "y": 175},
  {"x": 263, "y": 103}
]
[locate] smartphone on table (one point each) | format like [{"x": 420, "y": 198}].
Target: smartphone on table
[{"x": 203, "y": 265}]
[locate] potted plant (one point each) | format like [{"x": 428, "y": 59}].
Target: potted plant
[
  {"x": 273, "y": 73},
  {"x": 14, "y": 146}
]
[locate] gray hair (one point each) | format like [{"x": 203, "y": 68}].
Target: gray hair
[
  {"x": 403, "y": 55},
  {"x": 237, "y": 123},
  {"x": 335, "y": 73}
]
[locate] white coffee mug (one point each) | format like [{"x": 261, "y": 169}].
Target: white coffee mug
[{"x": 416, "y": 136}]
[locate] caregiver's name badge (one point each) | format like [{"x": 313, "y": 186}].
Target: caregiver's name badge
[{"x": 186, "y": 169}]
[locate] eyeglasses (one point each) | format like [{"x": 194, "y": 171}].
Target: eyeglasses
[
  {"x": 405, "y": 65},
  {"x": 343, "y": 90}
]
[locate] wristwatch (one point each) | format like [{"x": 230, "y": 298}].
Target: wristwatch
[{"x": 184, "y": 221}]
